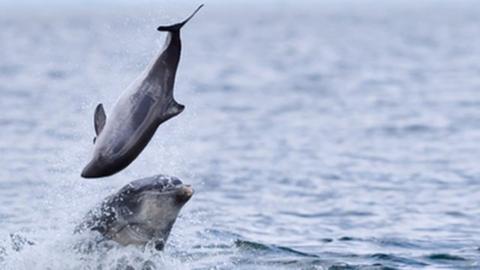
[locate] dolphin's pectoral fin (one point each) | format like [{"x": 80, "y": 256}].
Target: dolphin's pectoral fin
[{"x": 99, "y": 119}]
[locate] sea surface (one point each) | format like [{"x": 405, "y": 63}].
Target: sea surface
[{"x": 317, "y": 134}]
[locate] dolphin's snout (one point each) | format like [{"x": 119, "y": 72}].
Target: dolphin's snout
[
  {"x": 93, "y": 170},
  {"x": 88, "y": 172},
  {"x": 184, "y": 193},
  {"x": 188, "y": 190}
]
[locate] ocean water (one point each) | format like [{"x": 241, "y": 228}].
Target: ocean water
[{"x": 317, "y": 135}]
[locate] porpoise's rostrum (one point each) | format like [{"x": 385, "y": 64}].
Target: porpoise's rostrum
[
  {"x": 142, "y": 212},
  {"x": 147, "y": 103}
]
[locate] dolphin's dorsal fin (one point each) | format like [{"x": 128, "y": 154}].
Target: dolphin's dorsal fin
[
  {"x": 175, "y": 110},
  {"x": 99, "y": 119}
]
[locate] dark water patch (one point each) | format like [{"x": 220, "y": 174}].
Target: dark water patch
[
  {"x": 457, "y": 214},
  {"x": 330, "y": 176},
  {"x": 329, "y": 214},
  {"x": 349, "y": 238},
  {"x": 470, "y": 178},
  {"x": 263, "y": 248},
  {"x": 407, "y": 130},
  {"x": 396, "y": 259},
  {"x": 396, "y": 242},
  {"x": 360, "y": 267},
  {"x": 314, "y": 77},
  {"x": 57, "y": 74},
  {"x": 469, "y": 103},
  {"x": 228, "y": 87},
  {"x": 445, "y": 257},
  {"x": 326, "y": 240}
]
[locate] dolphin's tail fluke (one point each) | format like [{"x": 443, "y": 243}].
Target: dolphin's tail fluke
[{"x": 178, "y": 26}]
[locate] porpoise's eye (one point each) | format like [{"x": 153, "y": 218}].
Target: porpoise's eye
[{"x": 176, "y": 182}]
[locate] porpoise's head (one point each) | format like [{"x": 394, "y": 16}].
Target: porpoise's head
[{"x": 150, "y": 207}]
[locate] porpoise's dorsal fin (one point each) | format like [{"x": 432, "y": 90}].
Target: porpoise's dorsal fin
[
  {"x": 178, "y": 26},
  {"x": 99, "y": 119}
]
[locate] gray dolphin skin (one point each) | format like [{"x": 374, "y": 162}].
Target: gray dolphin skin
[
  {"x": 142, "y": 212},
  {"x": 142, "y": 107}
]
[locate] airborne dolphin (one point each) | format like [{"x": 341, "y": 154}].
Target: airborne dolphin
[{"x": 142, "y": 107}]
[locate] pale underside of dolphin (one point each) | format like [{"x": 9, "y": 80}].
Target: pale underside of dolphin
[{"x": 141, "y": 108}]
